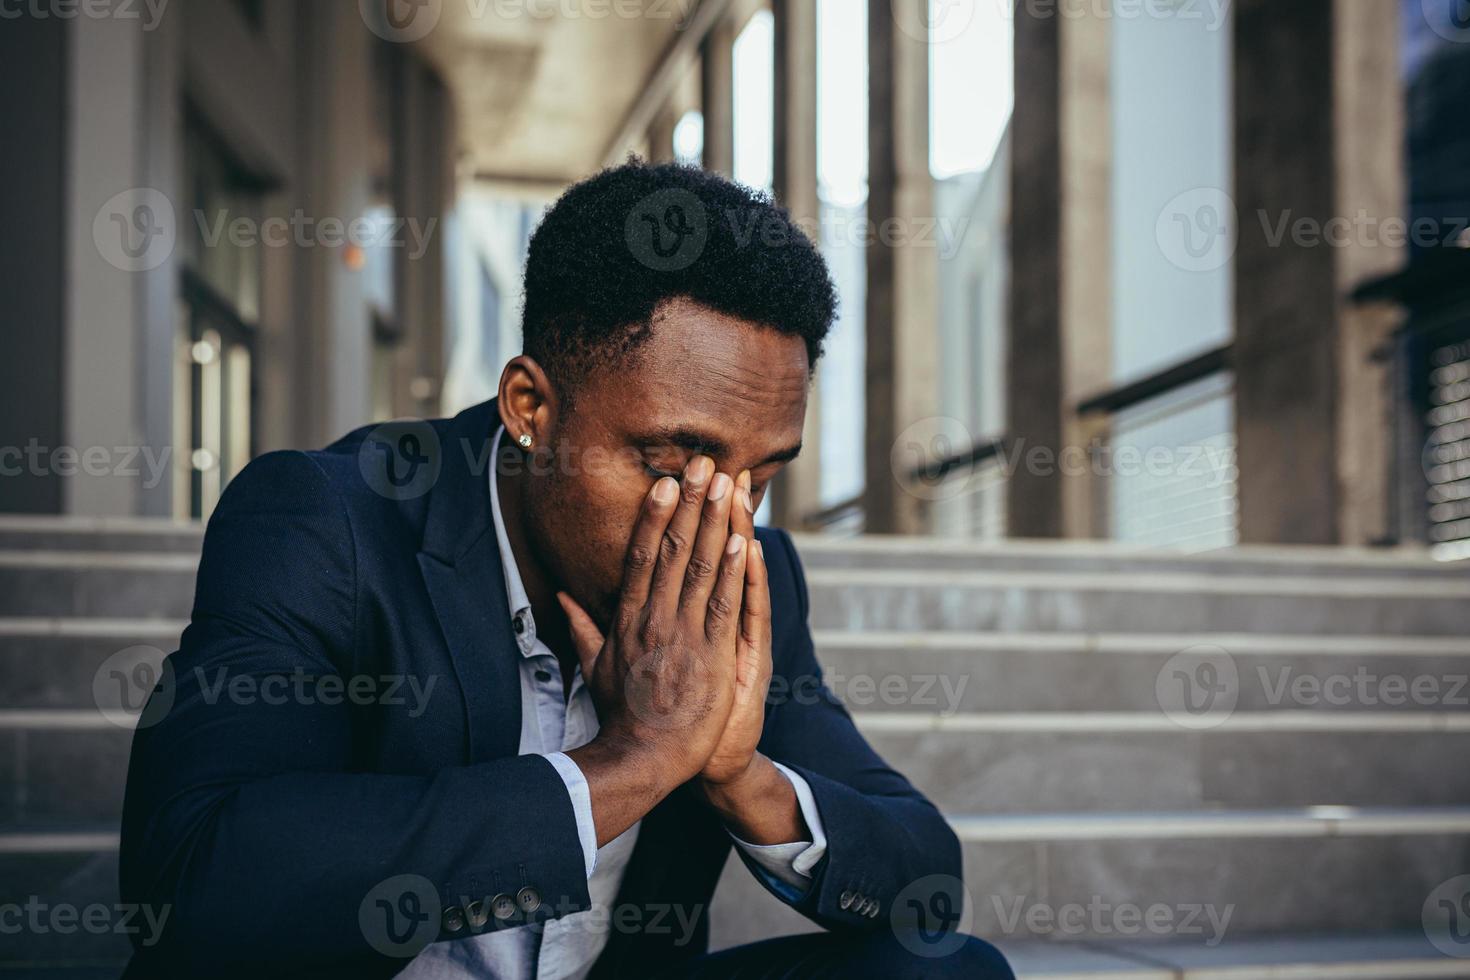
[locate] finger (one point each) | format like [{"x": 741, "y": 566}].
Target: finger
[
  {"x": 642, "y": 555},
  {"x": 586, "y": 637},
  {"x": 723, "y": 607},
  {"x": 678, "y": 537},
  {"x": 742, "y": 516},
  {"x": 755, "y": 613},
  {"x": 709, "y": 545}
]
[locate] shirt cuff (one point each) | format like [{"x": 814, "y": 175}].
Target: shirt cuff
[
  {"x": 791, "y": 864},
  {"x": 581, "y": 805}
]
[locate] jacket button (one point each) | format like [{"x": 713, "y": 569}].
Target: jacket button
[
  {"x": 502, "y": 906},
  {"x": 874, "y": 909},
  {"x": 845, "y": 901},
  {"x": 476, "y": 915},
  {"x": 453, "y": 918},
  {"x": 529, "y": 899}
]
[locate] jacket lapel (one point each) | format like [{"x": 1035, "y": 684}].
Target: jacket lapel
[{"x": 460, "y": 561}]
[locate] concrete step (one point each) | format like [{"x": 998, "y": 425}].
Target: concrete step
[
  {"x": 62, "y": 768},
  {"x": 54, "y": 663},
  {"x": 865, "y": 599},
  {"x": 1198, "y": 889},
  {"x": 821, "y": 552},
  {"x": 21, "y": 532},
  {"x": 70, "y": 915},
  {"x": 1198, "y": 877},
  {"x": 939, "y": 671},
  {"x": 100, "y": 584},
  {"x": 1108, "y": 763},
  {"x": 1391, "y": 956},
  {"x": 142, "y": 584},
  {"x": 69, "y": 766},
  {"x": 81, "y": 662}
]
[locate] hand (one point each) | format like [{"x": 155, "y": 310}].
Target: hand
[
  {"x": 735, "y": 751},
  {"x": 663, "y": 680}
]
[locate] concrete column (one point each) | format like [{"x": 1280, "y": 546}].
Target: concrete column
[
  {"x": 798, "y": 491},
  {"x": 34, "y": 59},
  {"x": 661, "y": 135},
  {"x": 1368, "y": 107},
  {"x": 717, "y": 98},
  {"x": 1318, "y": 134},
  {"x": 1059, "y": 348},
  {"x": 335, "y": 374},
  {"x": 426, "y": 191},
  {"x": 902, "y": 272}
]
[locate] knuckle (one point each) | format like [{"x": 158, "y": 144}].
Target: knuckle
[
  {"x": 650, "y": 635},
  {"x": 721, "y": 605},
  {"x": 641, "y": 558},
  {"x": 627, "y": 621},
  {"x": 700, "y": 568},
  {"x": 691, "y": 494},
  {"x": 674, "y": 543}
]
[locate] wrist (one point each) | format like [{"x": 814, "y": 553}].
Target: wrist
[
  {"x": 723, "y": 790},
  {"x": 664, "y": 761}
]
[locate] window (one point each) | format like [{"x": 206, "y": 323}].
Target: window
[{"x": 218, "y": 315}]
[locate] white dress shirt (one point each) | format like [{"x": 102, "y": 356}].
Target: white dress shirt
[{"x": 551, "y": 725}]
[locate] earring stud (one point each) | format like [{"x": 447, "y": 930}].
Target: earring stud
[{"x": 525, "y": 440}]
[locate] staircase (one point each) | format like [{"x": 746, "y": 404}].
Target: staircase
[
  {"x": 1160, "y": 766},
  {"x": 1290, "y": 819}
]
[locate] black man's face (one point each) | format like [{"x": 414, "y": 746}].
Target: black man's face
[{"x": 701, "y": 382}]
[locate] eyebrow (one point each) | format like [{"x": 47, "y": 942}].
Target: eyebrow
[{"x": 699, "y": 442}]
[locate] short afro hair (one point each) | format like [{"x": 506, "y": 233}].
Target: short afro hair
[{"x": 617, "y": 245}]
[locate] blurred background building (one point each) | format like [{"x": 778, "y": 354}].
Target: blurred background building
[
  {"x": 1213, "y": 228},
  {"x": 1190, "y": 276}
]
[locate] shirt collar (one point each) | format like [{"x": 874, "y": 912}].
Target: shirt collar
[{"x": 522, "y": 621}]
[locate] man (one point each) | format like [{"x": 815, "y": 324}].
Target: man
[{"x": 488, "y": 696}]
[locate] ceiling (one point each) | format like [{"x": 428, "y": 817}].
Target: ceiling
[{"x": 543, "y": 86}]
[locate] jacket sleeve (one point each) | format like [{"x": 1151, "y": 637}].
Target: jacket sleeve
[
  {"x": 887, "y": 845},
  {"x": 244, "y": 817}
]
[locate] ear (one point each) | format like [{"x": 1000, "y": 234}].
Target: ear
[{"x": 527, "y": 404}]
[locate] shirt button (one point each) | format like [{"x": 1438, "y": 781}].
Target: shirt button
[
  {"x": 543, "y": 676},
  {"x": 529, "y": 899},
  {"x": 502, "y": 906},
  {"x": 519, "y": 624},
  {"x": 476, "y": 915}
]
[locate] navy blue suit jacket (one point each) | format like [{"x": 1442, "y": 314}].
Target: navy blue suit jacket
[{"x": 267, "y": 824}]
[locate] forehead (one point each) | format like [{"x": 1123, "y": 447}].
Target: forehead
[{"x": 742, "y": 383}]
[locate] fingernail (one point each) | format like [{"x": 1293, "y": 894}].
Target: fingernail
[
  {"x": 735, "y": 543},
  {"x": 699, "y": 468},
  {"x": 665, "y": 490},
  {"x": 745, "y": 498},
  {"x": 760, "y": 549},
  {"x": 720, "y": 487}
]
